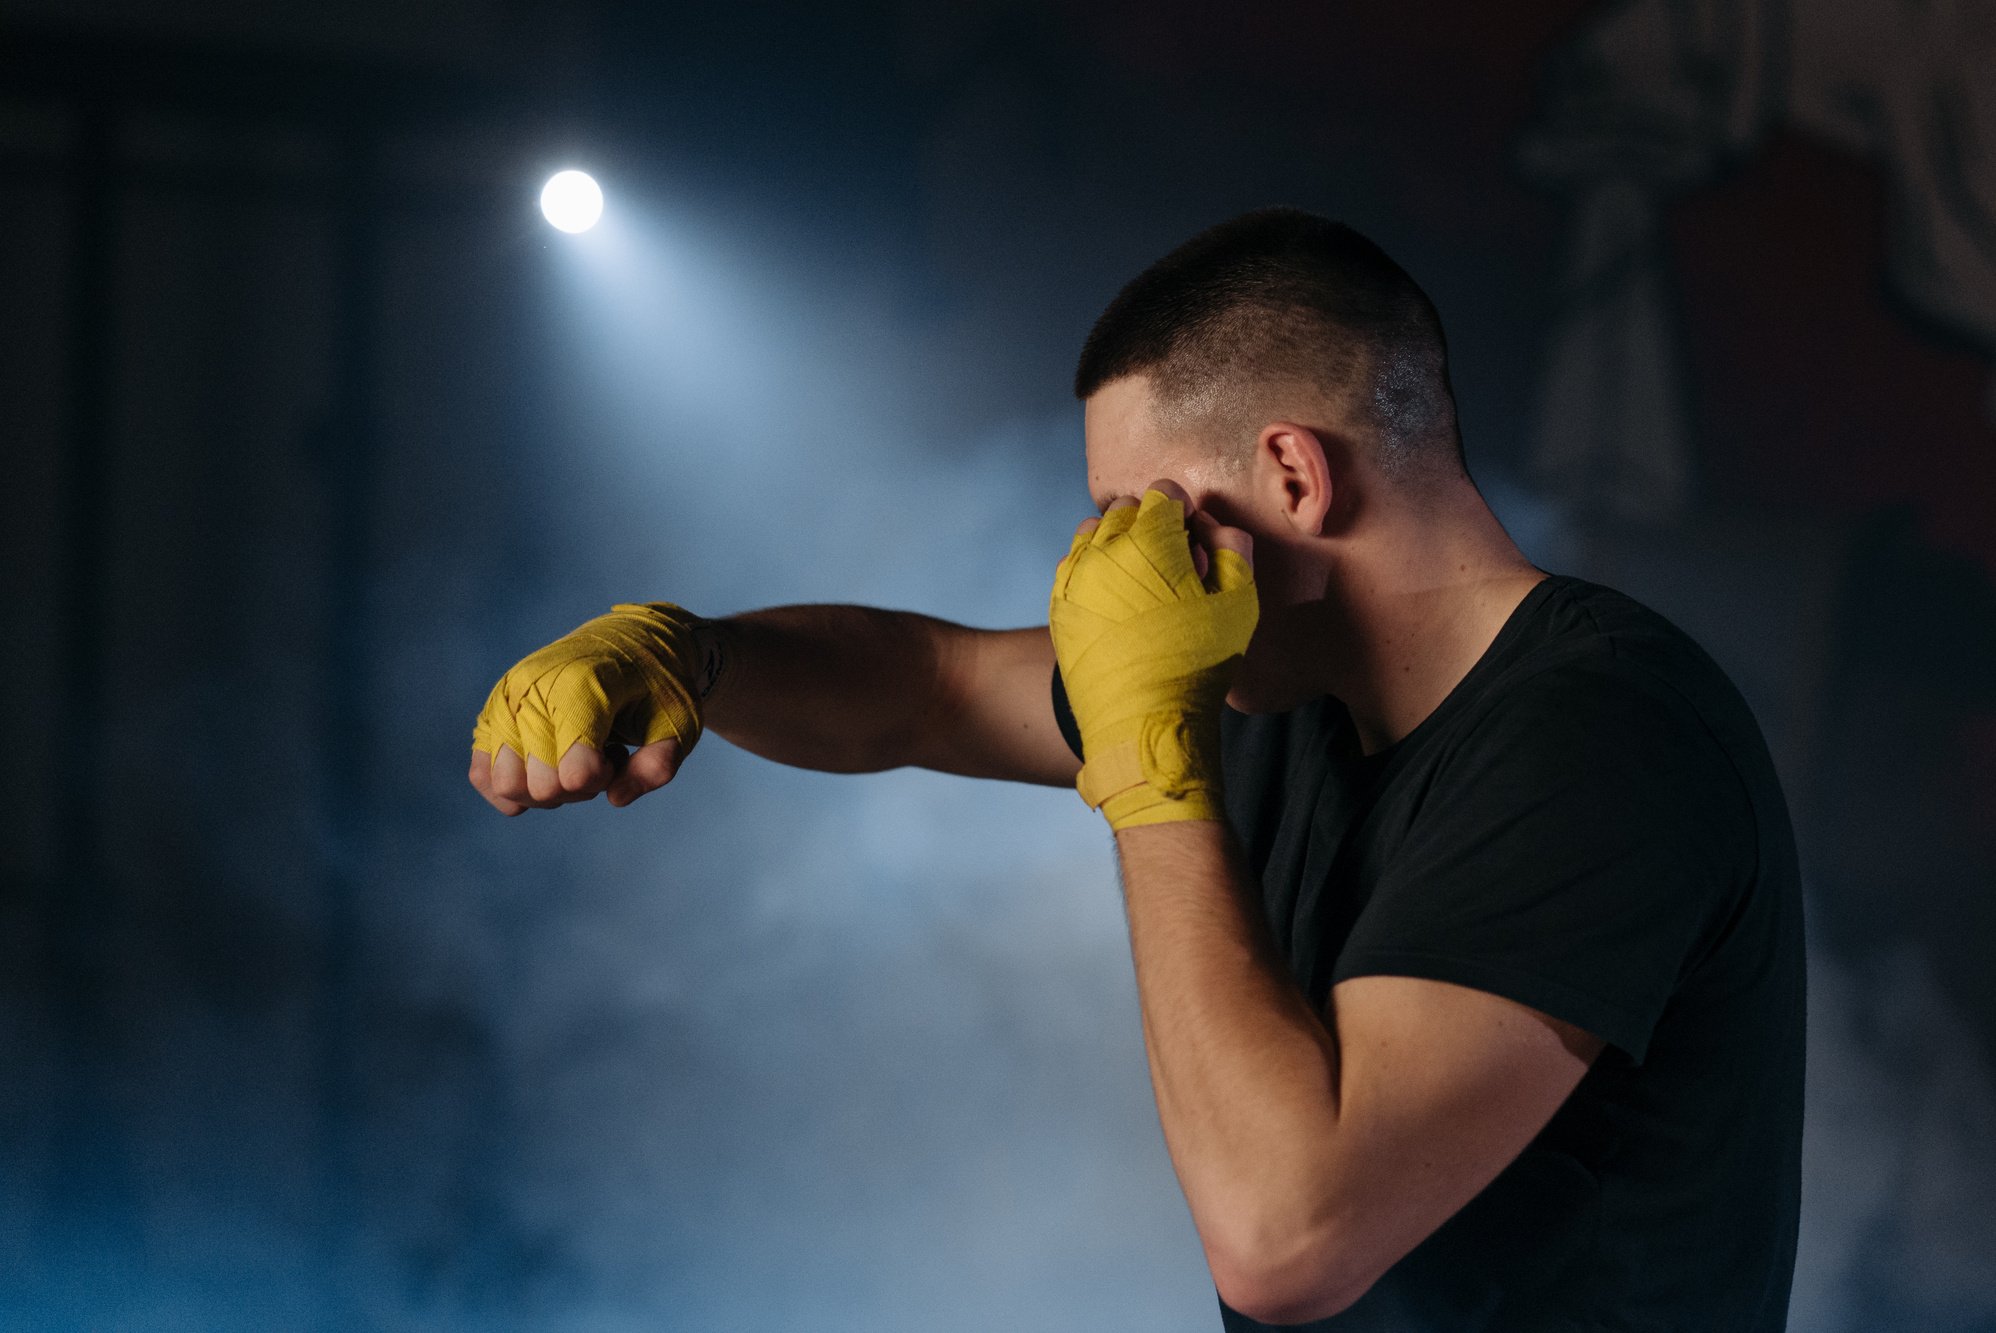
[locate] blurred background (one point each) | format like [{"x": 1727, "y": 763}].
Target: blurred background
[{"x": 312, "y": 426}]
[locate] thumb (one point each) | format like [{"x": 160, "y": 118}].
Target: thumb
[{"x": 649, "y": 768}]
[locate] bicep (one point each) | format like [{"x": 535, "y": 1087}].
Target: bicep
[
  {"x": 1440, "y": 1088},
  {"x": 996, "y": 718}
]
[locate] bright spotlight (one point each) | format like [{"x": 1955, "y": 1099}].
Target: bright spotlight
[{"x": 572, "y": 201}]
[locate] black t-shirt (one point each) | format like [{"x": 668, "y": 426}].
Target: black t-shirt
[{"x": 1588, "y": 824}]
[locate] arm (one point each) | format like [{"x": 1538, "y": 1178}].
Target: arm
[
  {"x": 856, "y": 689},
  {"x": 1314, "y": 1153},
  {"x": 844, "y": 689}
]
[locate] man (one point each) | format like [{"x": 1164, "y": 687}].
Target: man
[{"x": 1463, "y": 898}]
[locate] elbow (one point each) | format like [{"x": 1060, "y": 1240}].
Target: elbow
[
  {"x": 1287, "y": 1280},
  {"x": 1279, "y": 1303}
]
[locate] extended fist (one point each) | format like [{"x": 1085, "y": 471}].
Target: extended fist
[{"x": 556, "y": 726}]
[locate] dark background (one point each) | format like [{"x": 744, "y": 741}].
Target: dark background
[{"x": 312, "y": 427}]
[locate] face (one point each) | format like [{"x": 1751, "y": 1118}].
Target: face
[{"x": 1127, "y": 452}]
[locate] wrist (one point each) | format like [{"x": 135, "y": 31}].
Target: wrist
[
  {"x": 1184, "y": 832},
  {"x": 1143, "y": 807},
  {"x": 1158, "y": 768},
  {"x": 652, "y": 645},
  {"x": 721, "y": 657},
  {"x": 711, "y": 647}
]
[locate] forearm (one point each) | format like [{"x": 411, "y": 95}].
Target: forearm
[
  {"x": 843, "y": 689},
  {"x": 1244, "y": 1071}
]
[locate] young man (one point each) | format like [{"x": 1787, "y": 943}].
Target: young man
[{"x": 1463, "y": 898}]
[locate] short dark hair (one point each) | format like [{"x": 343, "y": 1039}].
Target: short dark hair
[{"x": 1280, "y": 295}]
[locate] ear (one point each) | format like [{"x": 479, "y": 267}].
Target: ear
[{"x": 1298, "y": 471}]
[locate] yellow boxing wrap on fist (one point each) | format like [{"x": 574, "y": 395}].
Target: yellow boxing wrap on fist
[
  {"x": 626, "y": 676},
  {"x": 1147, "y": 651}
]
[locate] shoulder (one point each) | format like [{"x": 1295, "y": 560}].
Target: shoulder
[
  {"x": 1597, "y": 726},
  {"x": 1602, "y": 673},
  {"x": 1594, "y": 699}
]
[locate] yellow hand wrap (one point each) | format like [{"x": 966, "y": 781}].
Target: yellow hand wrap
[
  {"x": 626, "y": 676},
  {"x": 1147, "y": 652}
]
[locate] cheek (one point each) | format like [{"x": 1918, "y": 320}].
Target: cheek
[{"x": 1220, "y": 506}]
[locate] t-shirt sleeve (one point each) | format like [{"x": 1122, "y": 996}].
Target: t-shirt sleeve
[{"x": 1572, "y": 854}]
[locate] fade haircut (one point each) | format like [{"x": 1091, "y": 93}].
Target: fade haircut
[{"x": 1275, "y": 299}]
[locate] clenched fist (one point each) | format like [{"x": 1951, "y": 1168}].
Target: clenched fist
[
  {"x": 1147, "y": 635},
  {"x": 555, "y": 727}
]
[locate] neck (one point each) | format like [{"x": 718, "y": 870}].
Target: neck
[{"x": 1407, "y": 611}]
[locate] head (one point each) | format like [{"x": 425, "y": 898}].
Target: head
[{"x": 1293, "y": 378}]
